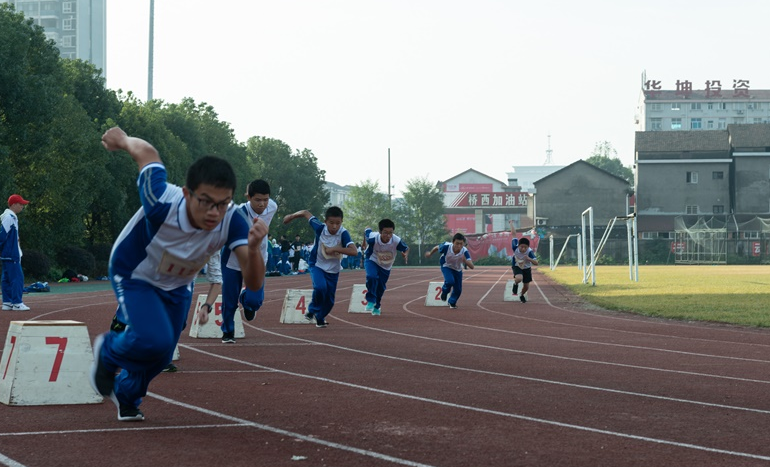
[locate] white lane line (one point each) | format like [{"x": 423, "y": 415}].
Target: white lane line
[
  {"x": 280, "y": 431},
  {"x": 451, "y": 405}
]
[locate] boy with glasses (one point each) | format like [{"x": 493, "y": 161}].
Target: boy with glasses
[{"x": 154, "y": 263}]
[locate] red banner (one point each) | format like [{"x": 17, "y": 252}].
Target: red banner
[{"x": 497, "y": 244}]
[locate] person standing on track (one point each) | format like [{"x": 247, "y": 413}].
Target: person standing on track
[
  {"x": 324, "y": 260},
  {"x": 380, "y": 254},
  {"x": 454, "y": 257},
  {"x": 522, "y": 259},
  {"x": 154, "y": 263},
  {"x": 258, "y": 206},
  {"x": 10, "y": 254}
]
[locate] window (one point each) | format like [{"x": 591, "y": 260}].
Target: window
[
  {"x": 739, "y": 106},
  {"x": 721, "y": 105},
  {"x": 717, "y": 175},
  {"x": 676, "y": 123},
  {"x": 675, "y": 106},
  {"x": 68, "y": 24},
  {"x": 719, "y": 209},
  {"x": 695, "y": 124},
  {"x": 649, "y": 235},
  {"x": 656, "y": 107},
  {"x": 754, "y": 106},
  {"x": 739, "y": 120},
  {"x": 695, "y": 106},
  {"x": 710, "y": 124},
  {"x": 691, "y": 209},
  {"x": 68, "y": 7},
  {"x": 656, "y": 124},
  {"x": 750, "y": 234},
  {"x": 757, "y": 119},
  {"x": 722, "y": 124},
  {"x": 692, "y": 177},
  {"x": 710, "y": 106}
]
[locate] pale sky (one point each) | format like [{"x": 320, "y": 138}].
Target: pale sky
[{"x": 447, "y": 85}]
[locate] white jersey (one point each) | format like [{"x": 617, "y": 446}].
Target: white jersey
[
  {"x": 450, "y": 259},
  {"x": 160, "y": 246},
  {"x": 231, "y": 261},
  {"x": 382, "y": 254}
]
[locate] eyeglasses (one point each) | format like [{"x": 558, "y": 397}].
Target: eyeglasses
[{"x": 208, "y": 204}]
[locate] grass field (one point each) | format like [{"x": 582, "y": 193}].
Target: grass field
[{"x": 725, "y": 294}]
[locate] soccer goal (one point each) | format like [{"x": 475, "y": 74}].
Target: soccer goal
[{"x": 589, "y": 262}]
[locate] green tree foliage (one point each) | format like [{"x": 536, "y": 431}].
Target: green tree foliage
[
  {"x": 421, "y": 217},
  {"x": 606, "y": 158},
  {"x": 365, "y": 207},
  {"x": 296, "y": 182}
]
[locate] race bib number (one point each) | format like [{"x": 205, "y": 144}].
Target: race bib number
[
  {"x": 171, "y": 265},
  {"x": 385, "y": 257}
]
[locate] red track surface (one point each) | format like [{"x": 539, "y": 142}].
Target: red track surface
[{"x": 547, "y": 383}]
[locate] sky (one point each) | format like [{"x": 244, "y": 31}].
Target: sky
[{"x": 444, "y": 85}]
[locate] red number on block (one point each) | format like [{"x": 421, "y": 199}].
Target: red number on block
[
  {"x": 62, "y": 343},
  {"x": 301, "y": 304},
  {"x": 438, "y": 293},
  {"x": 8, "y": 363},
  {"x": 364, "y": 302}
]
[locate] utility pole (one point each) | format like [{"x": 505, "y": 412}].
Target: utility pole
[
  {"x": 390, "y": 200},
  {"x": 152, "y": 39}
]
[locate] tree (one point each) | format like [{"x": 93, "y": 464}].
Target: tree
[
  {"x": 365, "y": 207},
  {"x": 295, "y": 180},
  {"x": 606, "y": 158},
  {"x": 422, "y": 214}
]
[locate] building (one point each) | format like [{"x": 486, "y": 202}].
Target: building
[
  {"x": 79, "y": 27},
  {"x": 712, "y": 107},
  {"x": 562, "y": 196},
  {"x": 710, "y": 173},
  {"x": 526, "y": 176},
  {"x": 477, "y": 203}
]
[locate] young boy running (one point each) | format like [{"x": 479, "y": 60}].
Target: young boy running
[
  {"x": 331, "y": 242},
  {"x": 258, "y": 206},
  {"x": 522, "y": 260},
  {"x": 380, "y": 254},
  {"x": 454, "y": 256},
  {"x": 154, "y": 263}
]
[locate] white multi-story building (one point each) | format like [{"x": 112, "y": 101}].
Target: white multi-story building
[
  {"x": 710, "y": 106},
  {"x": 77, "y": 26}
]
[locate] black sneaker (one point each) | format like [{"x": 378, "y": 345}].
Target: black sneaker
[
  {"x": 515, "y": 288},
  {"x": 453, "y": 306},
  {"x": 248, "y": 313},
  {"x": 117, "y": 325},
  {"x": 228, "y": 338},
  {"x": 309, "y": 316},
  {"x": 443, "y": 296},
  {"x": 321, "y": 323},
  {"x": 523, "y": 298},
  {"x": 170, "y": 368},
  {"x": 102, "y": 379},
  {"x": 129, "y": 413}
]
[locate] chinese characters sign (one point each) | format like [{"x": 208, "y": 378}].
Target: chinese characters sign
[
  {"x": 713, "y": 88},
  {"x": 492, "y": 200}
]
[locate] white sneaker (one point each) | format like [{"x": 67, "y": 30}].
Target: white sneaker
[
  {"x": 7, "y": 306},
  {"x": 20, "y": 307}
]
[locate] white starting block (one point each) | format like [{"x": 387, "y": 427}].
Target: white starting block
[
  {"x": 433, "y": 297},
  {"x": 358, "y": 299},
  {"x": 47, "y": 363},
  {"x": 295, "y": 305},
  {"x": 176, "y": 354},
  {"x": 508, "y": 296},
  {"x": 212, "y": 327}
]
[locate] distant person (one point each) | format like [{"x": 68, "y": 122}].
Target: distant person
[
  {"x": 454, "y": 257},
  {"x": 285, "y": 250},
  {"x": 522, "y": 259},
  {"x": 296, "y": 247},
  {"x": 331, "y": 242},
  {"x": 155, "y": 261},
  {"x": 379, "y": 256},
  {"x": 10, "y": 254},
  {"x": 258, "y": 205}
]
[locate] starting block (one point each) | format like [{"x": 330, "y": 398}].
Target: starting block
[
  {"x": 176, "y": 354},
  {"x": 433, "y": 297},
  {"x": 358, "y": 299},
  {"x": 295, "y": 305},
  {"x": 212, "y": 328},
  {"x": 508, "y": 296},
  {"x": 47, "y": 363}
]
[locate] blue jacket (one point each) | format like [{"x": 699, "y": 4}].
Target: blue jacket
[{"x": 9, "y": 237}]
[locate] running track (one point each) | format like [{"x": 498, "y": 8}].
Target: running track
[{"x": 548, "y": 383}]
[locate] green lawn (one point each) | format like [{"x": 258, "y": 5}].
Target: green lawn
[{"x": 725, "y": 294}]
